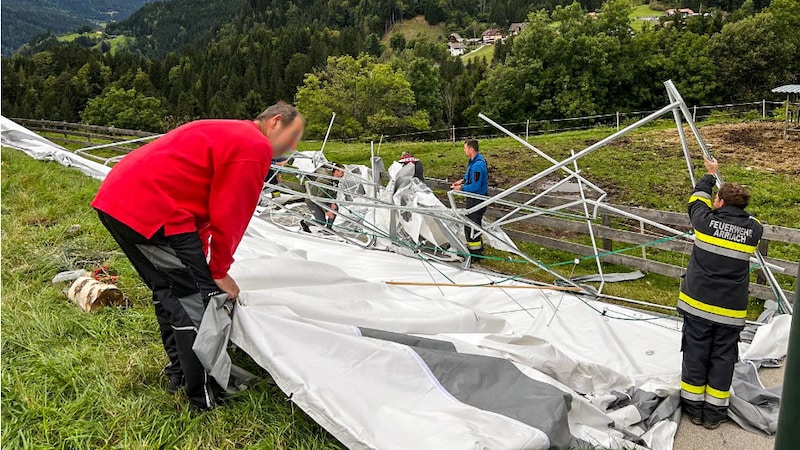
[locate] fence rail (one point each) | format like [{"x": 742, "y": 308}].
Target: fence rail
[
  {"x": 80, "y": 129},
  {"x": 531, "y": 127}
]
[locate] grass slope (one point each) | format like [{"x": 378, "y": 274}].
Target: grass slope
[
  {"x": 115, "y": 41},
  {"x": 486, "y": 52},
  {"x": 415, "y": 28},
  {"x": 641, "y": 11},
  {"x": 87, "y": 381}
]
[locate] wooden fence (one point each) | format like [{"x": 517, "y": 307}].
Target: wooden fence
[
  {"x": 82, "y": 130},
  {"x": 82, "y": 134}
]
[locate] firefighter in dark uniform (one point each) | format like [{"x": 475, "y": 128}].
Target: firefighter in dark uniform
[
  {"x": 713, "y": 296},
  {"x": 476, "y": 181}
]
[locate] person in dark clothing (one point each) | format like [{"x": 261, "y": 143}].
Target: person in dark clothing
[
  {"x": 476, "y": 181},
  {"x": 408, "y": 158},
  {"x": 169, "y": 202},
  {"x": 713, "y": 296},
  {"x": 274, "y": 175},
  {"x": 322, "y": 216}
]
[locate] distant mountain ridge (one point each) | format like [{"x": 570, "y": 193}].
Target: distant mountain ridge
[
  {"x": 24, "y": 19},
  {"x": 169, "y": 26}
]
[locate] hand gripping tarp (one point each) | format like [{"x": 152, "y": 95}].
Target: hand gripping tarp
[{"x": 382, "y": 366}]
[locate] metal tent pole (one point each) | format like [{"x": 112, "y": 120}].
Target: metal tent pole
[
  {"x": 502, "y": 220},
  {"x": 537, "y": 151},
  {"x": 773, "y": 282},
  {"x": 676, "y": 96},
  {"x": 327, "y": 133},
  {"x": 591, "y": 231},
  {"x": 789, "y": 416},
  {"x": 575, "y": 157},
  {"x": 684, "y": 143}
]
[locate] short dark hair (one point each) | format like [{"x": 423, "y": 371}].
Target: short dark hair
[
  {"x": 338, "y": 166},
  {"x": 287, "y": 112},
  {"x": 734, "y": 195},
  {"x": 473, "y": 144}
]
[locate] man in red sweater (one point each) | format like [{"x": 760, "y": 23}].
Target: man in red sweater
[{"x": 164, "y": 201}]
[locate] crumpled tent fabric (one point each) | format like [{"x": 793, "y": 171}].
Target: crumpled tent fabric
[
  {"x": 211, "y": 344},
  {"x": 20, "y": 138},
  {"x": 384, "y": 366},
  {"x": 754, "y": 407}
]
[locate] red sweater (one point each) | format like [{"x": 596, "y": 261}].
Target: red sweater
[{"x": 204, "y": 176}]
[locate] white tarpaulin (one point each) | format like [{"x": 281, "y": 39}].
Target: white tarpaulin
[{"x": 387, "y": 366}]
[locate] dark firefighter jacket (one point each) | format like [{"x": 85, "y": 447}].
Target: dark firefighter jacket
[{"x": 715, "y": 284}]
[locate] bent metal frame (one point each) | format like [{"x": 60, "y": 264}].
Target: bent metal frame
[{"x": 517, "y": 211}]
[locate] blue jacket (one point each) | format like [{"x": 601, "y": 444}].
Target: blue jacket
[{"x": 476, "y": 180}]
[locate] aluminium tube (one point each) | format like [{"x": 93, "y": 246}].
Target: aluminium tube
[
  {"x": 537, "y": 151},
  {"x": 591, "y": 233},
  {"x": 115, "y": 144},
  {"x": 577, "y": 156},
  {"x": 684, "y": 143},
  {"x": 673, "y": 92}
]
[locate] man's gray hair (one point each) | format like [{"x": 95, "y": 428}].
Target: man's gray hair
[{"x": 283, "y": 109}]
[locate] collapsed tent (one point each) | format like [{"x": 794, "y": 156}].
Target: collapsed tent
[{"x": 509, "y": 366}]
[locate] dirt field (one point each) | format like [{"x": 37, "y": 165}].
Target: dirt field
[{"x": 756, "y": 144}]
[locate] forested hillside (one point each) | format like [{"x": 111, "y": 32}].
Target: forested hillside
[
  {"x": 162, "y": 27},
  {"x": 186, "y": 62},
  {"x": 24, "y": 19}
]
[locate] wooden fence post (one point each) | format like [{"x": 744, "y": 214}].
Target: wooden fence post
[
  {"x": 608, "y": 244},
  {"x": 763, "y": 247},
  {"x": 644, "y": 248}
]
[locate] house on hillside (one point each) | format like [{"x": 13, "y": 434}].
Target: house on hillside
[
  {"x": 491, "y": 35},
  {"x": 683, "y": 12},
  {"x": 515, "y": 28},
  {"x": 455, "y": 37},
  {"x": 456, "y": 48}
]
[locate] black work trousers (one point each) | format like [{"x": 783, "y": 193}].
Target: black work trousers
[
  {"x": 710, "y": 351},
  {"x": 175, "y": 269},
  {"x": 320, "y": 214},
  {"x": 474, "y": 236}
]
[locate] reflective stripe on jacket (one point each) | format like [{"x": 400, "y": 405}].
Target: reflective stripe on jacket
[{"x": 716, "y": 281}]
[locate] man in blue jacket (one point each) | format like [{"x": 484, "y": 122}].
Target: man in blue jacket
[{"x": 476, "y": 181}]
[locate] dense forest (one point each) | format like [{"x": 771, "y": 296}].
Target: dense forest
[
  {"x": 230, "y": 59},
  {"x": 24, "y": 19}
]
